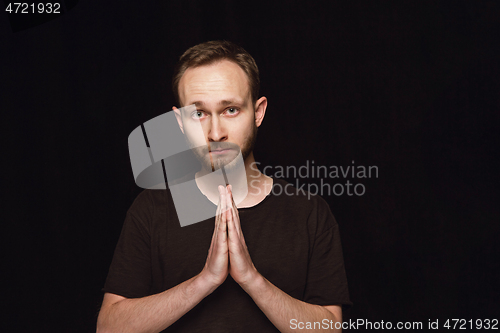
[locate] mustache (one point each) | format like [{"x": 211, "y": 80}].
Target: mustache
[{"x": 222, "y": 146}]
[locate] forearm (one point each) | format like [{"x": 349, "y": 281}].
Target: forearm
[
  {"x": 280, "y": 308},
  {"x": 153, "y": 313}
]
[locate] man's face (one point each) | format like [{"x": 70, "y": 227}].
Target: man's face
[{"x": 224, "y": 109}]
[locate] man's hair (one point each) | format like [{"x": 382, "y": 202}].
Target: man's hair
[{"x": 214, "y": 51}]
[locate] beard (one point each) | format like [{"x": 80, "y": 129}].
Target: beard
[{"x": 228, "y": 160}]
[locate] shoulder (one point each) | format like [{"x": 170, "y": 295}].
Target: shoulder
[
  {"x": 302, "y": 209},
  {"x": 287, "y": 191},
  {"x": 149, "y": 203},
  {"x": 298, "y": 198}
]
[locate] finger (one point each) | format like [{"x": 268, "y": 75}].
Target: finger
[
  {"x": 235, "y": 214},
  {"x": 218, "y": 221},
  {"x": 232, "y": 197},
  {"x": 222, "y": 232},
  {"x": 219, "y": 240},
  {"x": 236, "y": 247},
  {"x": 213, "y": 243},
  {"x": 232, "y": 232},
  {"x": 217, "y": 214},
  {"x": 229, "y": 212},
  {"x": 223, "y": 225},
  {"x": 232, "y": 229}
]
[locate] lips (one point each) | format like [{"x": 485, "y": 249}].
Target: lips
[
  {"x": 219, "y": 148},
  {"x": 220, "y": 151}
]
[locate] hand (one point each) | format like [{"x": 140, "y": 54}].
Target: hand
[
  {"x": 216, "y": 267},
  {"x": 241, "y": 266}
]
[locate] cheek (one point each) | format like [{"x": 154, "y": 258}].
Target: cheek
[
  {"x": 195, "y": 133},
  {"x": 241, "y": 135},
  {"x": 249, "y": 125},
  {"x": 245, "y": 122}
]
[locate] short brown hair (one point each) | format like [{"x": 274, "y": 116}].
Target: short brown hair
[{"x": 213, "y": 51}]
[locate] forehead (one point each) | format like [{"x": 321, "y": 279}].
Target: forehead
[{"x": 223, "y": 80}]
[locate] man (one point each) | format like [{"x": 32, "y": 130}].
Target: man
[{"x": 274, "y": 261}]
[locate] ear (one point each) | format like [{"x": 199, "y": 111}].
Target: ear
[
  {"x": 260, "y": 110},
  {"x": 178, "y": 116}
]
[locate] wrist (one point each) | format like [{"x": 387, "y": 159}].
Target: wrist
[
  {"x": 254, "y": 285},
  {"x": 205, "y": 284}
]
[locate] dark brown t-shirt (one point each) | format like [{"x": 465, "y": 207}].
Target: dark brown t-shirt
[{"x": 293, "y": 241}]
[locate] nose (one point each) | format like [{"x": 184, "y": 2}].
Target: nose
[{"x": 216, "y": 131}]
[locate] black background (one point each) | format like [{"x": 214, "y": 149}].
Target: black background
[{"x": 409, "y": 86}]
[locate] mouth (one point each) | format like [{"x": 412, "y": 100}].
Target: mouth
[{"x": 220, "y": 151}]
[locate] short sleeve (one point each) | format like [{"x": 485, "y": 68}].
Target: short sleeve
[
  {"x": 326, "y": 277},
  {"x": 130, "y": 271}
]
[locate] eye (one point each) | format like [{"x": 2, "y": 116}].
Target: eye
[
  {"x": 197, "y": 114},
  {"x": 232, "y": 111}
]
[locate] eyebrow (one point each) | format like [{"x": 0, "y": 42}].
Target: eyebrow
[{"x": 220, "y": 103}]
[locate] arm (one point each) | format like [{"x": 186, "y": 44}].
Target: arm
[
  {"x": 157, "y": 312},
  {"x": 152, "y": 313},
  {"x": 279, "y": 307}
]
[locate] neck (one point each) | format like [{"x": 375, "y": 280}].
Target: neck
[
  {"x": 258, "y": 184},
  {"x": 252, "y": 171}
]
